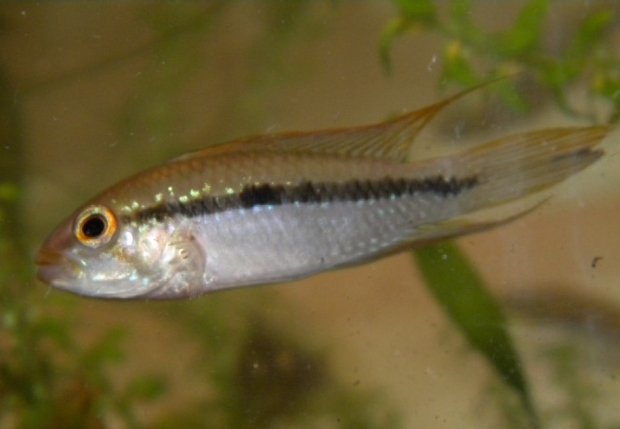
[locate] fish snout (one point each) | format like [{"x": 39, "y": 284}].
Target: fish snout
[
  {"x": 52, "y": 259},
  {"x": 47, "y": 257}
]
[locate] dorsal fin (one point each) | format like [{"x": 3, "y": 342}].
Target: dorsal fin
[{"x": 389, "y": 140}]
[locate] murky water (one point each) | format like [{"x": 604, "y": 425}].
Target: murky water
[{"x": 96, "y": 92}]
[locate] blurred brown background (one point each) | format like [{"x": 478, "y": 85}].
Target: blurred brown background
[{"x": 106, "y": 89}]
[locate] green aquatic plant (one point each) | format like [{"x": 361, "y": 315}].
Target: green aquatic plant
[
  {"x": 463, "y": 294},
  {"x": 473, "y": 55}
]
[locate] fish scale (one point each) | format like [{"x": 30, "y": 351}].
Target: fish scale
[{"x": 293, "y": 239}]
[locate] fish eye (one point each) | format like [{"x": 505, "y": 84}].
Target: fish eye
[{"x": 95, "y": 226}]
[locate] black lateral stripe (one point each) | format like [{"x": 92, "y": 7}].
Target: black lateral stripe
[{"x": 308, "y": 193}]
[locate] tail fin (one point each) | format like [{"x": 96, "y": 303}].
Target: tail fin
[{"x": 517, "y": 166}]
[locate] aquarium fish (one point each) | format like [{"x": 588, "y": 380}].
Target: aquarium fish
[{"x": 279, "y": 207}]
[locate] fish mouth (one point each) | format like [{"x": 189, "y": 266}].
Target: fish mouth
[
  {"x": 50, "y": 274},
  {"x": 54, "y": 268},
  {"x": 64, "y": 273},
  {"x": 46, "y": 257}
]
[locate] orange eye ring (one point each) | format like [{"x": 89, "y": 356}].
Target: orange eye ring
[{"x": 95, "y": 226}]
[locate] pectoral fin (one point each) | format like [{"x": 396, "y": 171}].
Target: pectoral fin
[
  {"x": 188, "y": 253},
  {"x": 184, "y": 267}
]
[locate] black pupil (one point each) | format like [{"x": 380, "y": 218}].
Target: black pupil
[{"x": 93, "y": 227}]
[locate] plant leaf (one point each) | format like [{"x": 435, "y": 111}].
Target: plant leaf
[
  {"x": 461, "y": 291},
  {"x": 421, "y": 11},
  {"x": 413, "y": 15},
  {"x": 511, "y": 96},
  {"x": 146, "y": 387},
  {"x": 390, "y": 32},
  {"x": 527, "y": 32},
  {"x": 457, "y": 67},
  {"x": 590, "y": 33}
]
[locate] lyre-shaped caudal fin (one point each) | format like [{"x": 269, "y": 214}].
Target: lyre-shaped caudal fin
[
  {"x": 389, "y": 140},
  {"x": 517, "y": 166},
  {"x": 509, "y": 169}
]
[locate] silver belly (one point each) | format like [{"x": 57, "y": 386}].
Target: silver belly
[{"x": 277, "y": 243}]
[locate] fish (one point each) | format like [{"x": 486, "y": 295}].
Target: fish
[{"x": 278, "y": 207}]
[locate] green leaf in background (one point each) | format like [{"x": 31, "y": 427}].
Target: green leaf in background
[
  {"x": 474, "y": 53},
  {"x": 460, "y": 12},
  {"x": 462, "y": 293},
  {"x": 390, "y": 32},
  {"x": 590, "y": 33},
  {"x": 457, "y": 67},
  {"x": 147, "y": 387},
  {"x": 459, "y": 23},
  {"x": 419, "y": 11},
  {"x": 510, "y": 95},
  {"x": 607, "y": 84},
  {"x": 8, "y": 192},
  {"x": 526, "y": 34},
  {"x": 414, "y": 14}
]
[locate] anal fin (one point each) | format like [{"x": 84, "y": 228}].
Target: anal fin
[{"x": 433, "y": 233}]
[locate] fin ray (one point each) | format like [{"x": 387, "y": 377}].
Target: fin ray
[
  {"x": 390, "y": 139},
  {"x": 517, "y": 166},
  {"x": 454, "y": 228}
]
